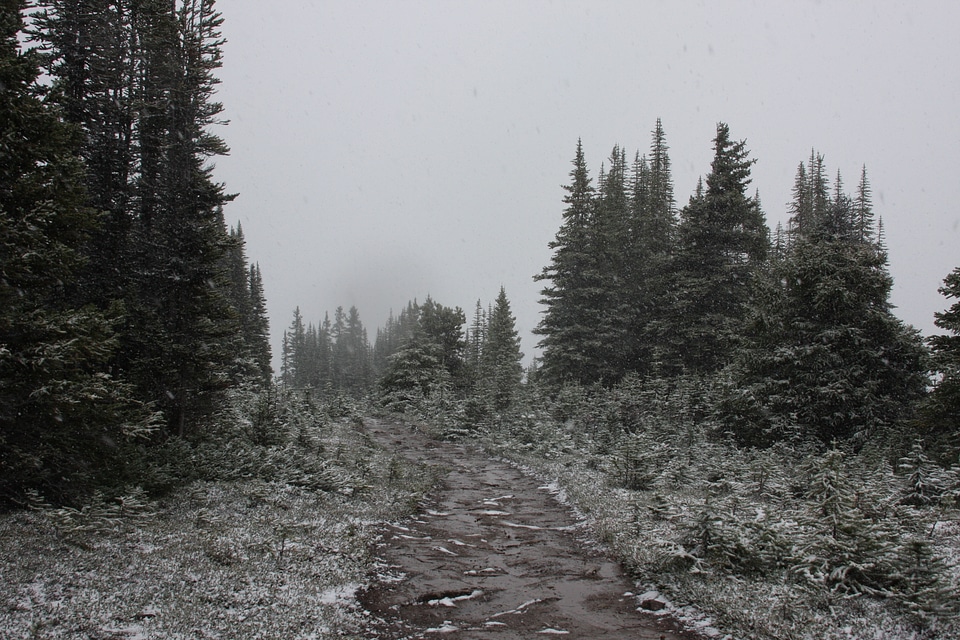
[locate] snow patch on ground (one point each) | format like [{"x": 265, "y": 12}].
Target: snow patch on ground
[{"x": 339, "y": 594}]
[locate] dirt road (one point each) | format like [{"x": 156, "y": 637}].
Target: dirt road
[{"x": 496, "y": 556}]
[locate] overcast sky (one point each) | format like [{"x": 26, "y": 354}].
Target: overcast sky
[{"x": 384, "y": 151}]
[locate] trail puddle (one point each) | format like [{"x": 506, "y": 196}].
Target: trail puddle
[{"x": 496, "y": 556}]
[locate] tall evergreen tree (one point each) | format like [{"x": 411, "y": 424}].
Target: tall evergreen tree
[
  {"x": 293, "y": 372},
  {"x": 723, "y": 242},
  {"x": 827, "y": 360},
  {"x": 570, "y": 297},
  {"x": 430, "y": 356},
  {"x": 475, "y": 340},
  {"x": 501, "y": 353},
  {"x": 352, "y": 354},
  {"x": 650, "y": 255},
  {"x": 940, "y": 417},
  {"x": 138, "y": 79},
  {"x": 258, "y": 330},
  {"x": 611, "y": 245},
  {"x": 91, "y": 53},
  {"x": 64, "y": 421}
]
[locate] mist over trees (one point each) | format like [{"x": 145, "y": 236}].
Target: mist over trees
[
  {"x": 422, "y": 351},
  {"x": 747, "y": 398}
]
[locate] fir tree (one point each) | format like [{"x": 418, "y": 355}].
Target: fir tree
[
  {"x": 827, "y": 359},
  {"x": 293, "y": 369},
  {"x": 723, "y": 242},
  {"x": 939, "y": 419},
  {"x": 430, "y": 357},
  {"x": 352, "y": 354},
  {"x": 64, "y": 421},
  {"x": 476, "y": 339},
  {"x": 567, "y": 327},
  {"x": 501, "y": 353},
  {"x": 138, "y": 79},
  {"x": 258, "y": 330},
  {"x": 650, "y": 256},
  {"x": 91, "y": 53}
]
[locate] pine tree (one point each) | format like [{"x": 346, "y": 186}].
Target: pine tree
[
  {"x": 294, "y": 369},
  {"x": 430, "y": 356},
  {"x": 501, "y": 353},
  {"x": 838, "y": 547},
  {"x": 572, "y": 313},
  {"x": 723, "y": 242},
  {"x": 138, "y": 79},
  {"x": 90, "y": 52},
  {"x": 611, "y": 244},
  {"x": 827, "y": 359},
  {"x": 64, "y": 421},
  {"x": 442, "y": 328},
  {"x": 258, "y": 331},
  {"x": 650, "y": 255},
  {"x": 183, "y": 233},
  {"x": 476, "y": 339},
  {"x": 939, "y": 419},
  {"x": 352, "y": 353},
  {"x": 863, "y": 210}
]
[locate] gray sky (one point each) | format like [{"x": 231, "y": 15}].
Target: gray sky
[{"x": 384, "y": 151}]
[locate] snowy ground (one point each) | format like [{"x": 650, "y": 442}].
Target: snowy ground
[
  {"x": 763, "y": 607},
  {"x": 232, "y": 560}
]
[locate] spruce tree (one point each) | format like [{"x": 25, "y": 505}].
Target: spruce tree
[
  {"x": 611, "y": 245},
  {"x": 138, "y": 79},
  {"x": 476, "y": 339},
  {"x": 827, "y": 359},
  {"x": 430, "y": 355},
  {"x": 352, "y": 353},
  {"x": 65, "y": 423},
  {"x": 940, "y": 417},
  {"x": 723, "y": 242},
  {"x": 91, "y": 54},
  {"x": 650, "y": 255},
  {"x": 570, "y": 295},
  {"x": 258, "y": 330},
  {"x": 293, "y": 372},
  {"x": 501, "y": 353}
]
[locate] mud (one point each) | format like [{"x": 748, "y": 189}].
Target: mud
[{"x": 495, "y": 556}]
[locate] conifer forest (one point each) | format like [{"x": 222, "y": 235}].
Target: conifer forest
[{"x": 735, "y": 412}]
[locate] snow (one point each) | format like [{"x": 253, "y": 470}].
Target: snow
[
  {"x": 518, "y": 610},
  {"x": 452, "y": 601},
  {"x": 522, "y": 526},
  {"x": 339, "y": 594},
  {"x": 445, "y": 550}
]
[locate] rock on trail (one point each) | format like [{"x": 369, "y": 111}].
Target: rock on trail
[{"x": 495, "y": 555}]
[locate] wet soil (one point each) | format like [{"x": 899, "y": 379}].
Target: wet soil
[{"x": 494, "y": 555}]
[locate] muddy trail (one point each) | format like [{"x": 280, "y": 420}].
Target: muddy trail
[{"x": 495, "y": 555}]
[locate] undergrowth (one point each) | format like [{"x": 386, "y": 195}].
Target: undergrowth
[
  {"x": 270, "y": 538},
  {"x": 795, "y": 541}
]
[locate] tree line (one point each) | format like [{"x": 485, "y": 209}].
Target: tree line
[
  {"x": 797, "y": 324},
  {"x": 128, "y": 305},
  {"x": 424, "y": 350}
]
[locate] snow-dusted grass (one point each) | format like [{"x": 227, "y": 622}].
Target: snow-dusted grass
[
  {"x": 276, "y": 556},
  {"x": 778, "y": 544},
  {"x": 761, "y": 605}
]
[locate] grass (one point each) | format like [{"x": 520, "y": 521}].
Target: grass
[{"x": 232, "y": 559}]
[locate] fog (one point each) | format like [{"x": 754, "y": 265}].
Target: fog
[{"x": 384, "y": 151}]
